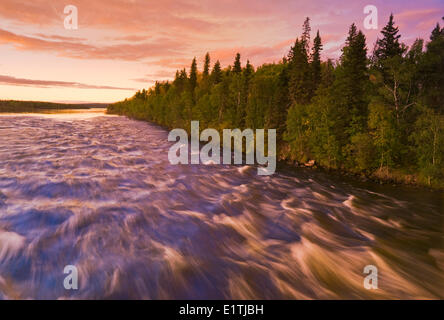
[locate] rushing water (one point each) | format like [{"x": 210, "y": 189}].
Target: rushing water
[{"x": 98, "y": 192}]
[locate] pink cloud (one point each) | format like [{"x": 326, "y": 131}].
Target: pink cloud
[
  {"x": 79, "y": 50},
  {"x": 59, "y": 38},
  {"x": 420, "y": 19},
  {"x": 8, "y": 80}
]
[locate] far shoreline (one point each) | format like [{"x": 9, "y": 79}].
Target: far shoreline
[{"x": 15, "y": 106}]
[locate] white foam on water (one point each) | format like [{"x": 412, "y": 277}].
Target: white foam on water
[
  {"x": 10, "y": 244},
  {"x": 209, "y": 162},
  {"x": 244, "y": 169},
  {"x": 349, "y": 202}
]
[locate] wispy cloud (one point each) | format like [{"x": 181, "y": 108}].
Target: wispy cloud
[
  {"x": 59, "y": 38},
  {"x": 8, "y": 80},
  {"x": 71, "y": 49}
]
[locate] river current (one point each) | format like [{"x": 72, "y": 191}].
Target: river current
[{"x": 98, "y": 192}]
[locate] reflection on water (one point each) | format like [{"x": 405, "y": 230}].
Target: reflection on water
[
  {"x": 98, "y": 192},
  {"x": 64, "y": 114}
]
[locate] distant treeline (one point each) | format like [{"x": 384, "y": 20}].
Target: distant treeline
[
  {"x": 379, "y": 114},
  {"x": 32, "y": 106}
]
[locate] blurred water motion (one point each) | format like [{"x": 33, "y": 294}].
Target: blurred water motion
[{"x": 98, "y": 192}]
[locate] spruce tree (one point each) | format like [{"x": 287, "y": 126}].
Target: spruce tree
[
  {"x": 316, "y": 61},
  {"x": 247, "y": 75},
  {"x": 177, "y": 77},
  {"x": 180, "y": 80},
  {"x": 389, "y": 45},
  {"x": 249, "y": 70},
  {"x": 306, "y": 29},
  {"x": 237, "y": 64},
  {"x": 216, "y": 73},
  {"x": 351, "y": 81},
  {"x": 206, "y": 69},
  {"x": 193, "y": 76},
  {"x": 436, "y": 33},
  {"x": 299, "y": 71},
  {"x": 431, "y": 71}
]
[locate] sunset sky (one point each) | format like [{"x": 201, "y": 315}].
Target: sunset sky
[{"x": 125, "y": 45}]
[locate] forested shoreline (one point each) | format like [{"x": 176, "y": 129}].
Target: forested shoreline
[
  {"x": 33, "y": 106},
  {"x": 377, "y": 113}
]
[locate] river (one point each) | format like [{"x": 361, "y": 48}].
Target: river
[{"x": 97, "y": 192}]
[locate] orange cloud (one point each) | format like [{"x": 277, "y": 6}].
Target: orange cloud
[
  {"x": 130, "y": 16},
  {"x": 70, "y": 49},
  {"x": 59, "y": 38},
  {"x": 7, "y": 80}
]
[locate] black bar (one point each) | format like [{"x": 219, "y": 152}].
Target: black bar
[{"x": 230, "y": 309}]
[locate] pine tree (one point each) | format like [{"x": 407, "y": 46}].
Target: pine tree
[
  {"x": 316, "y": 61},
  {"x": 177, "y": 77},
  {"x": 247, "y": 75},
  {"x": 351, "y": 82},
  {"x": 180, "y": 80},
  {"x": 216, "y": 73},
  {"x": 183, "y": 74},
  {"x": 306, "y": 29},
  {"x": 389, "y": 45},
  {"x": 235, "y": 107},
  {"x": 436, "y": 33},
  {"x": 193, "y": 76},
  {"x": 249, "y": 70},
  {"x": 237, "y": 64},
  {"x": 156, "y": 89},
  {"x": 299, "y": 71},
  {"x": 206, "y": 69},
  {"x": 283, "y": 99},
  {"x": 388, "y": 61},
  {"x": 431, "y": 70},
  {"x": 352, "y": 32}
]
